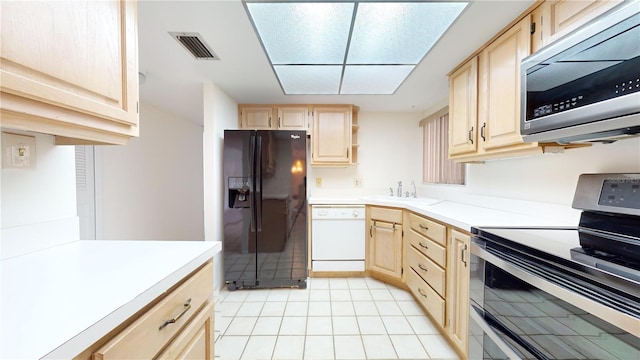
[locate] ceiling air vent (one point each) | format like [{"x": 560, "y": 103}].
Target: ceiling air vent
[{"x": 195, "y": 44}]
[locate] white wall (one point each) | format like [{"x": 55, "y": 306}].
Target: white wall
[
  {"x": 152, "y": 188},
  {"x": 390, "y": 151},
  {"x": 39, "y": 205},
  {"x": 549, "y": 178},
  {"x": 220, "y": 113}
]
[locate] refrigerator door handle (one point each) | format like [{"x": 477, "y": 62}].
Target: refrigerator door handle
[
  {"x": 258, "y": 179},
  {"x": 252, "y": 183}
]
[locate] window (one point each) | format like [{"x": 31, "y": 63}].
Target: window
[{"x": 437, "y": 168}]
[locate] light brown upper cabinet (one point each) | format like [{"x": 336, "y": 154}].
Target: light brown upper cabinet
[
  {"x": 499, "y": 88},
  {"x": 255, "y": 117},
  {"x": 560, "y": 17},
  {"x": 293, "y": 117},
  {"x": 331, "y": 135},
  {"x": 273, "y": 117},
  {"x": 70, "y": 69},
  {"x": 463, "y": 108},
  {"x": 484, "y": 99}
]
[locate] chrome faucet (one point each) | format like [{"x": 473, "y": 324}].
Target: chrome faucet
[
  {"x": 415, "y": 191},
  {"x": 390, "y": 191},
  {"x": 399, "y": 193}
]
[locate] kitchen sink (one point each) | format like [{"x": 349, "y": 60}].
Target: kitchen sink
[{"x": 423, "y": 201}]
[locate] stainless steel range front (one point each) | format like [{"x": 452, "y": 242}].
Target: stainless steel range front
[{"x": 562, "y": 293}]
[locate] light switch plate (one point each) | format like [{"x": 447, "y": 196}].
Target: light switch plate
[{"x": 18, "y": 151}]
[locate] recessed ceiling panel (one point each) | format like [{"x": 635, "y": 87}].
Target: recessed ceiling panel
[
  {"x": 374, "y": 79},
  {"x": 344, "y": 47},
  {"x": 303, "y": 33},
  {"x": 399, "y": 33},
  {"x": 309, "y": 79}
]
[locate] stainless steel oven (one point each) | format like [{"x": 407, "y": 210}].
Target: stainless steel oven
[{"x": 564, "y": 292}]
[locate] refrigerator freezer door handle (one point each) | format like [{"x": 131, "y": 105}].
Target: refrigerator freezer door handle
[
  {"x": 252, "y": 184},
  {"x": 258, "y": 192}
]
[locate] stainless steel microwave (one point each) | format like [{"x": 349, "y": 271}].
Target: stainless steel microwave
[{"x": 585, "y": 86}]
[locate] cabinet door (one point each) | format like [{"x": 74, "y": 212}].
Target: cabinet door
[
  {"x": 559, "y": 17},
  {"x": 499, "y": 97},
  {"x": 458, "y": 289},
  {"x": 293, "y": 118},
  {"x": 331, "y": 136},
  {"x": 463, "y": 114},
  {"x": 70, "y": 67},
  {"x": 256, "y": 117},
  {"x": 195, "y": 341},
  {"x": 385, "y": 248}
]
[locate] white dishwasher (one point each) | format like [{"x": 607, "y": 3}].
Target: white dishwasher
[{"x": 337, "y": 237}]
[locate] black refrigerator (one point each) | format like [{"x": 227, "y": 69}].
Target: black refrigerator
[{"x": 265, "y": 215}]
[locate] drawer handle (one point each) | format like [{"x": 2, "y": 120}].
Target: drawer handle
[
  {"x": 421, "y": 292},
  {"x": 423, "y": 268},
  {"x": 423, "y": 245},
  {"x": 186, "y": 307},
  {"x": 423, "y": 227}
]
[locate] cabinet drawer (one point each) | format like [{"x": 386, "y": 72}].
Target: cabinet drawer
[
  {"x": 433, "y": 274},
  {"x": 386, "y": 214},
  {"x": 431, "y": 301},
  {"x": 432, "y": 230},
  {"x": 428, "y": 247},
  {"x": 196, "y": 340},
  {"x": 144, "y": 338}
]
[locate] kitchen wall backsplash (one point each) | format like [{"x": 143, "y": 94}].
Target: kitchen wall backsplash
[
  {"x": 39, "y": 204},
  {"x": 390, "y": 151}
]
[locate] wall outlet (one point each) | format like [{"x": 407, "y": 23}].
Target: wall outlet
[
  {"x": 357, "y": 182},
  {"x": 318, "y": 182},
  {"x": 19, "y": 151}
]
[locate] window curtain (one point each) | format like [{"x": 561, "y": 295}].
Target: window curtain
[{"x": 437, "y": 168}]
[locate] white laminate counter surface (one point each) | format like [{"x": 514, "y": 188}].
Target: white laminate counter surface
[
  {"x": 461, "y": 215},
  {"x": 56, "y": 302},
  {"x": 466, "y": 216}
]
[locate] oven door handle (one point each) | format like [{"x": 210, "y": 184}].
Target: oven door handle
[{"x": 493, "y": 335}]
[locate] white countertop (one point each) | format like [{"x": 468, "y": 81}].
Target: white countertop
[
  {"x": 460, "y": 215},
  {"x": 57, "y": 302}
]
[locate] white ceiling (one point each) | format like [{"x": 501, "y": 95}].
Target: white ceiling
[{"x": 173, "y": 78}]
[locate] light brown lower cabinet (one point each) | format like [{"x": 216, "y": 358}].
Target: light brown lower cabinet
[
  {"x": 437, "y": 259},
  {"x": 458, "y": 289},
  {"x": 385, "y": 241},
  {"x": 430, "y": 300},
  {"x": 194, "y": 342},
  {"x": 178, "y": 325}
]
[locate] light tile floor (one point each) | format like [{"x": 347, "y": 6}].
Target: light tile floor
[{"x": 341, "y": 318}]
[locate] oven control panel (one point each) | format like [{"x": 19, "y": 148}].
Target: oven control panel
[
  {"x": 612, "y": 193},
  {"x": 620, "y": 193}
]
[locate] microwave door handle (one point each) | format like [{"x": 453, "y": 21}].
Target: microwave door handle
[{"x": 493, "y": 335}]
